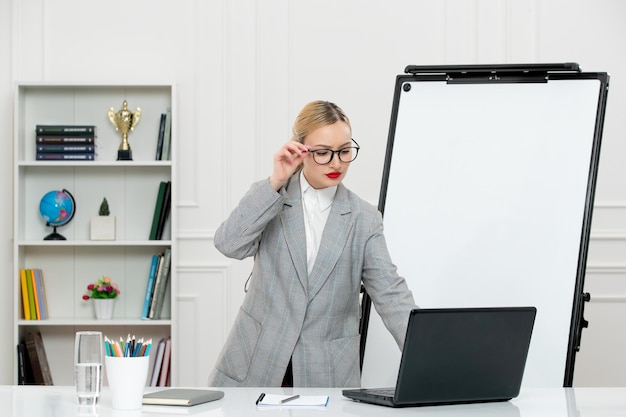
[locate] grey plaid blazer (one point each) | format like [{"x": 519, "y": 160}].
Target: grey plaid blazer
[{"x": 313, "y": 319}]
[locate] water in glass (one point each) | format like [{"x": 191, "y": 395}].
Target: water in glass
[
  {"x": 88, "y": 378},
  {"x": 88, "y": 366}
]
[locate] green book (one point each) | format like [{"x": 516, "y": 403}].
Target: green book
[
  {"x": 31, "y": 295},
  {"x": 158, "y": 207},
  {"x": 165, "y": 210}
]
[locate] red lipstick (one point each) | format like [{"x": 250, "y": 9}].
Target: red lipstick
[{"x": 333, "y": 175}]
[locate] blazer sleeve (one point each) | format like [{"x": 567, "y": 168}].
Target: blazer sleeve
[
  {"x": 389, "y": 292},
  {"x": 239, "y": 235}
]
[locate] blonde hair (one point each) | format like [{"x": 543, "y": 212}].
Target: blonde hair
[{"x": 314, "y": 115}]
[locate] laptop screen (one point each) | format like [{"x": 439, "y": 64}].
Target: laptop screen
[{"x": 464, "y": 354}]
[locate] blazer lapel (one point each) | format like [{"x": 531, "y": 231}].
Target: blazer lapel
[
  {"x": 292, "y": 222},
  {"x": 333, "y": 242}
]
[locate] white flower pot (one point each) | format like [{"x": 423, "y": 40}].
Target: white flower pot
[
  {"x": 103, "y": 228},
  {"x": 103, "y": 307}
]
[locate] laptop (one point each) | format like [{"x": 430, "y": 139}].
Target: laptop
[{"x": 458, "y": 356}]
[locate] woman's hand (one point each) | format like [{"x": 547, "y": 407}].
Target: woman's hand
[{"x": 286, "y": 161}]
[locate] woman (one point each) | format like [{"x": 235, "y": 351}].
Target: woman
[{"x": 313, "y": 243}]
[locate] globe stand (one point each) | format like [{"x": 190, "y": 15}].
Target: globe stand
[{"x": 54, "y": 235}]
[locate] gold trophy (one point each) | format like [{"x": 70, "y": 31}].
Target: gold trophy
[{"x": 124, "y": 121}]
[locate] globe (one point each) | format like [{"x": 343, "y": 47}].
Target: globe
[{"x": 57, "y": 207}]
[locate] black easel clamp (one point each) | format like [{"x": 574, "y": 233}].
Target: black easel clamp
[
  {"x": 585, "y": 297},
  {"x": 516, "y": 73}
]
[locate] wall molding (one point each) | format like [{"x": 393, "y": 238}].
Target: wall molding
[
  {"x": 606, "y": 268},
  {"x": 606, "y": 298},
  {"x": 608, "y": 234},
  {"x": 191, "y": 268},
  {"x": 196, "y": 234},
  {"x": 610, "y": 205}
]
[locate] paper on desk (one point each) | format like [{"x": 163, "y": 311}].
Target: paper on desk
[{"x": 273, "y": 400}]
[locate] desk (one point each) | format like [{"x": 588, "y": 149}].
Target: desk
[{"x": 59, "y": 401}]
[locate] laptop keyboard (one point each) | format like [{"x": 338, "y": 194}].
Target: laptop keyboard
[{"x": 383, "y": 392}]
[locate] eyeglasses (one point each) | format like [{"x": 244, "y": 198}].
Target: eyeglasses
[{"x": 325, "y": 156}]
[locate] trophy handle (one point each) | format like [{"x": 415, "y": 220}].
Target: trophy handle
[
  {"x": 111, "y": 114},
  {"x": 136, "y": 117}
]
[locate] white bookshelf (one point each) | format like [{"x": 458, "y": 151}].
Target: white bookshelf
[{"x": 130, "y": 188}]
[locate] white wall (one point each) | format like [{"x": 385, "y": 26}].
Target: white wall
[
  {"x": 244, "y": 68},
  {"x": 6, "y": 189}
]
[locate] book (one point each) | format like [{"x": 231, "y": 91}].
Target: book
[
  {"x": 24, "y": 287},
  {"x": 35, "y": 293},
  {"x": 24, "y": 368},
  {"x": 21, "y": 364},
  {"x": 37, "y": 358},
  {"x": 167, "y": 136},
  {"x": 165, "y": 210},
  {"x": 150, "y": 286},
  {"x": 161, "y": 288},
  {"x": 78, "y": 156},
  {"x": 64, "y": 139},
  {"x": 159, "y": 147},
  {"x": 41, "y": 294},
  {"x": 66, "y": 130},
  {"x": 156, "y": 284},
  {"x": 158, "y": 360},
  {"x": 157, "y": 210},
  {"x": 31, "y": 295},
  {"x": 186, "y": 397},
  {"x": 165, "y": 364},
  {"x": 65, "y": 148}
]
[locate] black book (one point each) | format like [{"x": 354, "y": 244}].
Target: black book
[
  {"x": 165, "y": 210},
  {"x": 66, "y": 156},
  {"x": 24, "y": 369},
  {"x": 159, "y": 148},
  {"x": 64, "y": 148},
  {"x": 167, "y": 137},
  {"x": 66, "y": 130},
  {"x": 64, "y": 139},
  {"x": 37, "y": 358}
]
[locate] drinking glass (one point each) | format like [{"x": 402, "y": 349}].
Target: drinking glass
[{"x": 88, "y": 366}]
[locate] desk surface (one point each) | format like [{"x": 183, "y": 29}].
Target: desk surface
[{"x": 28, "y": 401}]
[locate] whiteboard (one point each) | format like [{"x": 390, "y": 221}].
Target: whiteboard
[{"x": 488, "y": 202}]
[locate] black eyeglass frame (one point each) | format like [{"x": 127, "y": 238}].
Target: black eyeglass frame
[{"x": 333, "y": 152}]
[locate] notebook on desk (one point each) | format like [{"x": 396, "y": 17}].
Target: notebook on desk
[
  {"x": 186, "y": 397},
  {"x": 458, "y": 355}
]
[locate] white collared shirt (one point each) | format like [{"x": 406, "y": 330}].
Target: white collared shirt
[{"x": 316, "y": 206}]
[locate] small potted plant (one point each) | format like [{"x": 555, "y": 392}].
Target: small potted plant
[
  {"x": 103, "y": 225},
  {"x": 103, "y": 292}
]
